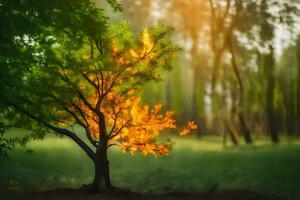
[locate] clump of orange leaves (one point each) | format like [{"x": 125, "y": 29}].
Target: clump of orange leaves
[
  {"x": 129, "y": 124},
  {"x": 133, "y": 126}
]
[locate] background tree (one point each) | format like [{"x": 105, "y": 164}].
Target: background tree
[
  {"x": 288, "y": 88},
  {"x": 224, "y": 25},
  {"x": 193, "y": 32}
]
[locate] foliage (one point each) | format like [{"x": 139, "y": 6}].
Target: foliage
[
  {"x": 115, "y": 5},
  {"x": 85, "y": 73},
  {"x": 27, "y": 38}
]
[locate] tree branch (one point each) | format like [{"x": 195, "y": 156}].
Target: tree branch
[{"x": 74, "y": 137}]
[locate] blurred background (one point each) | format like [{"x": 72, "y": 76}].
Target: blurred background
[{"x": 238, "y": 73}]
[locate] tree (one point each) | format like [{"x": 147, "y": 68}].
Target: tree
[
  {"x": 255, "y": 21},
  {"x": 298, "y": 86},
  {"x": 287, "y": 75},
  {"x": 191, "y": 23},
  {"x": 89, "y": 74},
  {"x": 269, "y": 65},
  {"x": 286, "y": 15},
  {"x": 224, "y": 25}
]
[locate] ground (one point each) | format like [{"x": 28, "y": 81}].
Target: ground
[
  {"x": 123, "y": 195},
  {"x": 198, "y": 168}
]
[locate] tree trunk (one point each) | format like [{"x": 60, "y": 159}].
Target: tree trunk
[
  {"x": 198, "y": 90},
  {"x": 297, "y": 117},
  {"x": 232, "y": 133},
  {"x": 245, "y": 130},
  {"x": 169, "y": 93},
  {"x": 228, "y": 120},
  {"x": 270, "y": 93},
  {"x": 243, "y": 125},
  {"x": 273, "y": 127},
  {"x": 102, "y": 178}
]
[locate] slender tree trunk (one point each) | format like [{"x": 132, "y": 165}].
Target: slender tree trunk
[
  {"x": 297, "y": 117},
  {"x": 227, "y": 118},
  {"x": 168, "y": 93},
  {"x": 270, "y": 92},
  {"x": 245, "y": 130},
  {"x": 198, "y": 104},
  {"x": 232, "y": 133},
  {"x": 198, "y": 111},
  {"x": 216, "y": 111},
  {"x": 195, "y": 114},
  {"x": 243, "y": 125}
]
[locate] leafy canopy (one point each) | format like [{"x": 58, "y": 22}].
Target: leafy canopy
[{"x": 89, "y": 74}]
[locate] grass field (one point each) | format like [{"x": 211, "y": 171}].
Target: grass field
[{"x": 195, "y": 165}]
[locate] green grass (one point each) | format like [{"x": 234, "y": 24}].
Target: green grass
[{"x": 196, "y": 164}]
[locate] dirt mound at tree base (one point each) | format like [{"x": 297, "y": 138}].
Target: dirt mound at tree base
[{"x": 75, "y": 194}]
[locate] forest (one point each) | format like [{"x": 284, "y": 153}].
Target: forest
[{"x": 150, "y": 99}]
